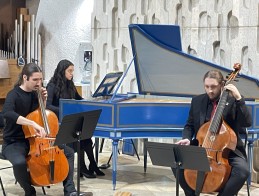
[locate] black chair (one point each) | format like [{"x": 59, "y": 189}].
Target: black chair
[
  {"x": 244, "y": 135},
  {"x": 3, "y": 168},
  {"x": 2, "y": 123},
  {"x": 245, "y": 145},
  {"x": 1, "y": 155},
  {"x": 107, "y": 165},
  {"x": 8, "y": 167}
]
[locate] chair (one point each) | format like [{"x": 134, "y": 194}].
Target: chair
[
  {"x": 8, "y": 167},
  {"x": 245, "y": 145},
  {"x": 3, "y": 168},
  {"x": 2, "y": 123},
  {"x": 107, "y": 165},
  {"x": 131, "y": 141},
  {"x": 244, "y": 135},
  {"x": 1, "y": 155}
]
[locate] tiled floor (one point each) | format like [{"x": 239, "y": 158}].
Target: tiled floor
[{"x": 157, "y": 181}]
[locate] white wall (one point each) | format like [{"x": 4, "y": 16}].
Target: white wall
[{"x": 63, "y": 24}]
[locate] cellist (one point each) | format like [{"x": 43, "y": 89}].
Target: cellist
[
  {"x": 21, "y": 101},
  {"x": 235, "y": 114}
]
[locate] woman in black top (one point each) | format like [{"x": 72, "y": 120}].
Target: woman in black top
[{"x": 61, "y": 85}]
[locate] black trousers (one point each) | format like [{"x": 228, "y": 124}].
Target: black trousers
[
  {"x": 86, "y": 146},
  {"x": 16, "y": 152},
  {"x": 238, "y": 176}
]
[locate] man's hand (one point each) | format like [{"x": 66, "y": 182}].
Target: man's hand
[
  {"x": 44, "y": 93},
  {"x": 234, "y": 91},
  {"x": 40, "y": 132},
  {"x": 184, "y": 142}
]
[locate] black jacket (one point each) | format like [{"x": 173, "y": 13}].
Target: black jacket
[{"x": 235, "y": 114}]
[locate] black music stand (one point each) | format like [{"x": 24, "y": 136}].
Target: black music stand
[
  {"x": 180, "y": 157},
  {"x": 77, "y": 127},
  {"x": 107, "y": 85}
]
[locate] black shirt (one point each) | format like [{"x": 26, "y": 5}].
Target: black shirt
[{"x": 17, "y": 103}]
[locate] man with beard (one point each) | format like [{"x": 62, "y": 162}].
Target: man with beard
[
  {"x": 21, "y": 101},
  {"x": 235, "y": 114}
]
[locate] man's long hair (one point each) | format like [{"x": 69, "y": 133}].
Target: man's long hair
[
  {"x": 215, "y": 74},
  {"x": 27, "y": 70},
  {"x": 61, "y": 82}
]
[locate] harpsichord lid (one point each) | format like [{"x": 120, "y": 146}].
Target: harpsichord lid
[{"x": 163, "y": 69}]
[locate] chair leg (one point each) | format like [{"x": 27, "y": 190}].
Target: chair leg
[
  {"x": 248, "y": 188},
  {"x": 43, "y": 190},
  {"x": 2, "y": 186},
  {"x": 101, "y": 148},
  {"x": 135, "y": 149}
]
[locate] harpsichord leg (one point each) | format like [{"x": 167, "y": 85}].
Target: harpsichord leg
[
  {"x": 114, "y": 161},
  {"x": 145, "y": 154}
]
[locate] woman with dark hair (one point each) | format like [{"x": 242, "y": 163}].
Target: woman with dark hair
[{"x": 61, "y": 85}]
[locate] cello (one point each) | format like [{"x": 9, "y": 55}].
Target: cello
[
  {"x": 218, "y": 139},
  {"x": 47, "y": 163}
]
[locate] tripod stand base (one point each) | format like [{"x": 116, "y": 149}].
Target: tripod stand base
[{"x": 105, "y": 166}]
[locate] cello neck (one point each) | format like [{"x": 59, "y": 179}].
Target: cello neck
[
  {"x": 43, "y": 112},
  {"x": 217, "y": 118}
]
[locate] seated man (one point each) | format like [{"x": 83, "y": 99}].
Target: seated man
[
  {"x": 21, "y": 101},
  {"x": 235, "y": 114}
]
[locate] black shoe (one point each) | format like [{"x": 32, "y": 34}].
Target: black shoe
[
  {"x": 93, "y": 168},
  {"x": 86, "y": 173}
]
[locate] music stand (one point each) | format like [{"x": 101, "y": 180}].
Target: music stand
[
  {"x": 179, "y": 157},
  {"x": 77, "y": 127},
  {"x": 107, "y": 85}
]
